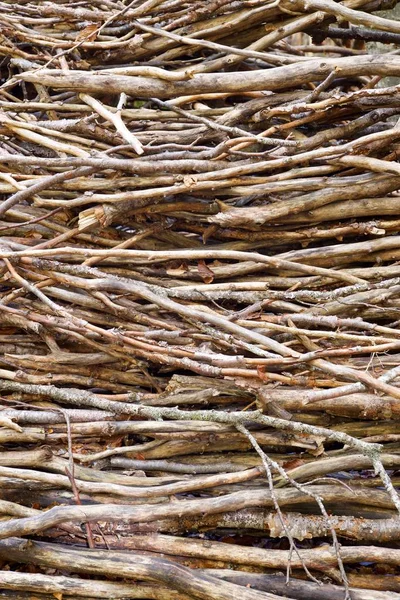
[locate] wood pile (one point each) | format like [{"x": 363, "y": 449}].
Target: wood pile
[{"x": 200, "y": 283}]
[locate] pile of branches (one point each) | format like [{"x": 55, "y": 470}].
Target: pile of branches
[{"x": 199, "y": 320}]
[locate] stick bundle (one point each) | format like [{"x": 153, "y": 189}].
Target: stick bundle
[{"x": 199, "y": 321}]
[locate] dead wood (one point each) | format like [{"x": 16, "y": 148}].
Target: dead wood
[{"x": 199, "y": 314}]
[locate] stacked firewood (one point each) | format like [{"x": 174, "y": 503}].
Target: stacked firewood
[{"x": 200, "y": 282}]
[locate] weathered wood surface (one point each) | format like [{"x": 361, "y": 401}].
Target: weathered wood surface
[{"x": 199, "y": 320}]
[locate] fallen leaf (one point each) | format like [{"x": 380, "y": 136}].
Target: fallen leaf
[
  {"x": 262, "y": 374},
  {"x": 88, "y": 34},
  {"x": 205, "y": 272}
]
